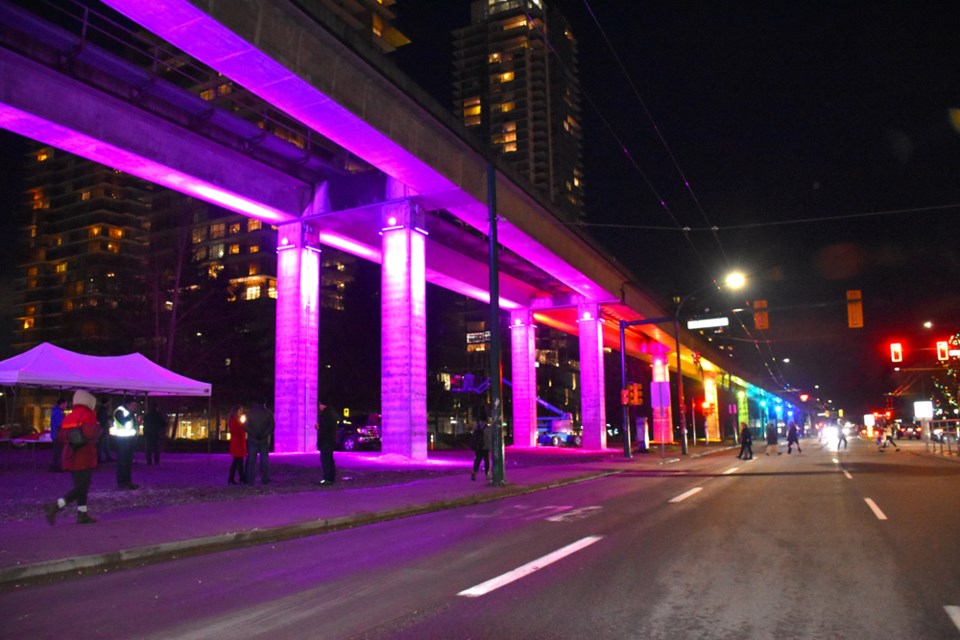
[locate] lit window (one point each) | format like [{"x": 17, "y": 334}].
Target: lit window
[
  {"x": 253, "y": 225},
  {"x": 62, "y": 267},
  {"x": 472, "y": 111},
  {"x": 516, "y": 23},
  {"x": 272, "y": 290},
  {"x": 252, "y": 292},
  {"x": 510, "y": 126},
  {"x": 218, "y": 230},
  {"x": 506, "y": 76},
  {"x": 510, "y": 147},
  {"x": 377, "y": 26},
  {"x": 508, "y": 106},
  {"x": 234, "y": 249},
  {"x": 95, "y": 231},
  {"x": 116, "y": 234},
  {"x": 493, "y": 57},
  {"x": 113, "y": 247},
  {"x": 253, "y": 269},
  {"x": 200, "y": 254},
  {"x": 43, "y": 155},
  {"x": 216, "y": 250},
  {"x": 254, "y": 248},
  {"x": 85, "y": 195},
  {"x": 199, "y": 235},
  {"x": 234, "y": 228},
  {"x": 472, "y": 121},
  {"x": 27, "y": 324}
]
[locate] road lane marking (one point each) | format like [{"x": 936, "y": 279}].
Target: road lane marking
[
  {"x": 847, "y": 473},
  {"x": 685, "y": 495},
  {"x": 521, "y": 572},
  {"x": 573, "y": 514},
  {"x": 835, "y": 461},
  {"x": 730, "y": 470},
  {"x": 876, "y": 510},
  {"x": 954, "y": 613}
]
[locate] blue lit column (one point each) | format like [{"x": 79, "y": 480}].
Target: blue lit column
[
  {"x": 298, "y": 320},
  {"x": 404, "y": 332},
  {"x": 523, "y": 352},
  {"x": 592, "y": 401}
]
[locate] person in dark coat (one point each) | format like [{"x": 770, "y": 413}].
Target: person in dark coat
[
  {"x": 746, "y": 442},
  {"x": 56, "y": 419},
  {"x": 125, "y": 431},
  {"x": 481, "y": 441},
  {"x": 238, "y": 445},
  {"x": 793, "y": 439},
  {"x": 79, "y": 460},
  {"x": 259, "y": 427},
  {"x": 326, "y": 442},
  {"x": 152, "y": 432}
]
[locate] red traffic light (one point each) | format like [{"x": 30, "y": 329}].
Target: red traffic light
[{"x": 896, "y": 352}]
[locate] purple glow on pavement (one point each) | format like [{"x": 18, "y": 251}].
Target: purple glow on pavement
[{"x": 114, "y": 157}]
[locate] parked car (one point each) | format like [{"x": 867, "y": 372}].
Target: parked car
[
  {"x": 362, "y": 433},
  {"x": 910, "y": 431}
]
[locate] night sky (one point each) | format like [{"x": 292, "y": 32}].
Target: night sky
[{"x": 816, "y": 137}]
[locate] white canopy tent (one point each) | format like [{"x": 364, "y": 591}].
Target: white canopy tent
[{"x": 51, "y": 367}]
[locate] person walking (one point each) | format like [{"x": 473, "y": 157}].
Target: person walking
[
  {"x": 326, "y": 442},
  {"x": 889, "y": 430},
  {"x": 152, "y": 432},
  {"x": 481, "y": 441},
  {"x": 746, "y": 442},
  {"x": 841, "y": 438},
  {"x": 103, "y": 418},
  {"x": 793, "y": 438},
  {"x": 79, "y": 456},
  {"x": 773, "y": 441},
  {"x": 259, "y": 427},
  {"x": 238, "y": 445},
  {"x": 124, "y": 431},
  {"x": 56, "y": 419}
]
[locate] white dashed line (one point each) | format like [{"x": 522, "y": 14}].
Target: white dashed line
[
  {"x": 521, "y": 572},
  {"x": 730, "y": 470},
  {"x": 685, "y": 495},
  {"x": 954, "y": 613},
  {"x": 876, "y": 510},
  {"x": 847, "y": 473}
]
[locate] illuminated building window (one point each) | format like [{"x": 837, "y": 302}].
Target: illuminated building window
[
  {"x": 493, "y": 57},
  {"x": 506, "y": 76},
  {"x": 28, "y": 323},
  {"x": 234, "y": 228},
  {"x": 95, "y": 231},
  {"x": 199, "y": 235},
  {"x": 214, "y": 270},
  {"x": 510, "y": 126},
  {"x": 208, "y": 95},
  {"x": 216, "y": 250},
  {"x": 506, "y": 107},
  {"x": 113, "y": 247},
  {"x": 200, "y": 254},
  {"x": 516, "y": 23},
  {"x": 253, "y": 225},
  {"x": 31, "y": 283},
  {"x": 472, "y": 111},
  {"x": 42, "y": 155},
  {"x": 471, "y": 121},
  {"x": 272, "y": 289},
  {"x": 116, "y": 234},
  {"x": 252, "y": 292},
  {"x": 68, "y": 305},
  {"x": 85, "y": 195},
  {"x": 377, "y": 26},
  {"x": 31, "y": 310},
  {"x": 254, "y": 248},
  {"x": 61, "y": 268},
  {"x": 341, "y": 266},
  {"x": 253, "y": 269},
  {"x": 510, "y": 147},
  {"x": 218, "y": 230},
  {"x": 234, "y": 249},
  {"x": 32, "y": 272}
]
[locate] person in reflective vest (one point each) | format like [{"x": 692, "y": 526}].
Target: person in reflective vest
[{"x": 124, "y": 431}]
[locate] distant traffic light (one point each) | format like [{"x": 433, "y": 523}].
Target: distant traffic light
[
  {"x": 854, "y": 309},
  {"x": 635, "y": 393},
  {"x": 896, "y": 352},
  {"x": 761, "y": 320}
]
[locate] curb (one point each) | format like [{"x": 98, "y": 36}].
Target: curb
[{"x": 12, "y": 577}]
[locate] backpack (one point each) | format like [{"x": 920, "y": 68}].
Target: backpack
[
  {"x": 476, "y": 439},
  {"x": 75, "y": 437}
]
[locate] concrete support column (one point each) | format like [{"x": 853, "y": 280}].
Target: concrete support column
[
  {"x": 710, "y": 395},
  {"x": 592, "y": 400},
  {"x": 298, "y": 321},
  {"x": 660, "y": 399},
  {"x": 523, "y": 352},
  {"x": 404, "y": 333}
]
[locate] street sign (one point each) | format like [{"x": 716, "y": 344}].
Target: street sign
[{"x": 707, "y": 323}]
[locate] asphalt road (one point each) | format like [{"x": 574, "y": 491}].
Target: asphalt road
[{"x": 821, "y": 545}]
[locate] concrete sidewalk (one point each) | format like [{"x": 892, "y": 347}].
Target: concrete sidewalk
[{"x": 160, "y": 523}]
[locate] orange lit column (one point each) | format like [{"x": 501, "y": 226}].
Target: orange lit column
[
  {"x": 403, "y": 332},
  {"x": 660, "y": 399},
  {"x": 592, "y": 402},
  {"x": 298, "y": 319},
  {"x": 523, "y": 351},
  {"x": 710, "y": 395}
]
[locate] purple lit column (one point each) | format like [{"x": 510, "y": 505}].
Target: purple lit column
[
  {"x": 592, "y": 401},
  {"x": 298, "y": 314},
  {"x": 404, "y": 335},
  {"x": 710, "y": 395},
  {"x": 523, "y": 351},
  {"x": 660, "y": 399}
]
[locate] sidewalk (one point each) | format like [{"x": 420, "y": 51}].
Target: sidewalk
[{"x": 185, "y": 506}]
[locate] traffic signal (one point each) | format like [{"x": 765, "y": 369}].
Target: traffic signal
[
  {"x": 707, "y": 408},
  {"x": 896, "y": 352},
  {"x": 854, "y": 309},
  {"x": 635, "y": 393},
  {"x": 760, "y": 319},
  {"x": 639, "y": 392},
  {"x": 943, "y": 350},
  {"x": 624, "y": 397}
]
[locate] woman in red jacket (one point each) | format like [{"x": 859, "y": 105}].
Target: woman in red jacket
[
  {"x": 79, "y": 459},
  {"x": 238, "y": 445}
]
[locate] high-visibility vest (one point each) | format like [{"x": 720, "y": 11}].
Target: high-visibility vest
[{"x": 124, "y": 423}]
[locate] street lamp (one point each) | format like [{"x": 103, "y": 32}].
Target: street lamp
[{"x": 733, "y": 280}]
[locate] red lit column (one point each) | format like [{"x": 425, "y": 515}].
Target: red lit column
[
  {"x": 298, "y": 314},
  {"x": 592, "y": 402},
  {"x": 404, "y": 334},
  {"x": 523, "y": 351}
]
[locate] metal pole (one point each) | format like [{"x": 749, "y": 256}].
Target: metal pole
[
  {"x": 627, "y": 449},
  {"x": 683, "y": 421},
  {"x": 498, "y": 478}
]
